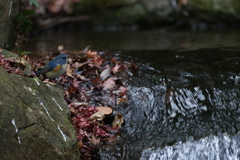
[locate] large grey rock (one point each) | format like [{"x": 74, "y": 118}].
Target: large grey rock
[
  {"x": 34, "y": 121},
  {"x": 9, "y": 9}
]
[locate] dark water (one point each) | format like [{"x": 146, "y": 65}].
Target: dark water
[
  {"x": 133, "y": 40},
  {"x": 183, "y": 104}
]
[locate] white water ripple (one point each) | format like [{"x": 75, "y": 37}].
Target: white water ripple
[{"x": 209, "y": 148}]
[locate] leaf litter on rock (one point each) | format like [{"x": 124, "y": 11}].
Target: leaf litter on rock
[{"x": 92, "y": 88}]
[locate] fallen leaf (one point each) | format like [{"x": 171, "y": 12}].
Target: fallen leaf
[
  {"x": 98, "y": 116},
  {"x": 124, "y": 99},
  {"x": 105, "y": 110},
  {"x": 116, "y": 68},
  {"x": 110, "y": 83},
  {"x": 69, "y": 71},
  {"x": 123, "y": 91},
  {"x": 94, "y": 139},
  {"x": 118, "y": 121},
  {"x": 100, "y": 132},
  {"x": 97, "y": 82},
  {"x": 105, "y": 73},
  {"x": 91, "y": 54},
  {"x": 46, "y": 81},
  {"x": 80, "y": 104},
  {"x": 133, "y": 66}
]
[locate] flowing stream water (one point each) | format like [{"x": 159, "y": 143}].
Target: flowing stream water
[{"x": 183, "y": 103}]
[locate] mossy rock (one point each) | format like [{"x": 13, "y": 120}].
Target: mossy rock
[{"x": 32, "y": 126}]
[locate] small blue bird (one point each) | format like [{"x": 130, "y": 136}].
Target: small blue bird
[{"x": 54, "y": 68}]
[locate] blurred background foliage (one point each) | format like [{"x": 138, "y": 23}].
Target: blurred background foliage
[{"x": 137, "y": 14}]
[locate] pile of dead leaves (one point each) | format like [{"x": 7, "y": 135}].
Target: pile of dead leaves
[
  {"x": 93, "y": 87},
  {"x": 10, "y": 65},
  {"x": 91, "y": 81}
]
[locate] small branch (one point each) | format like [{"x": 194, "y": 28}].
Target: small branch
[{"x": 51, "y": 22}]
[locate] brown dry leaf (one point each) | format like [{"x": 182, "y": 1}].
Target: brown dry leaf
[
  {"x": 72, "y": 110},
  {"x": 94, "y": 139},
  {"x": 80, "y": 143},
  {"x": 97, "y": 82},
  {"x": 110, "y": 139},
  {"x": 134, "y": 67},
  {"x": 105, "y": 110},
  {"x": 98, "y": 116},
  {"x": 124, "y": 99},
  {"x": 69, "y": 72},
  {"x": 80, "y": 104},
  {"x": 79, "y": 65},
  {"x": 88, "y": 153},
  {"x": 91, "y": 54},
  {"x": 48, "y": 82},
  {"x": 118, "y": 121}
]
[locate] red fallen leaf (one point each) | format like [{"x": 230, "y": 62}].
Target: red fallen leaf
[
  {"x": 100, "y": 132},
  {"x": 114, "y": 60},
  {"x": 98, "y": 60},
  {"x": 110, "y": 83},
  {"x": 133, "y": 66},
  {"x": 97, "y": 82},
  {"x": 76, "y": 84},
  {"x": 123, "y": 91},
  {"x": 81, "y": 122},
  {"x": 91, "y": 73},
  {"x": 87, "y": 111},
  {"x": 116, "y": 68},
  {"x": 122, "y": 68}
]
